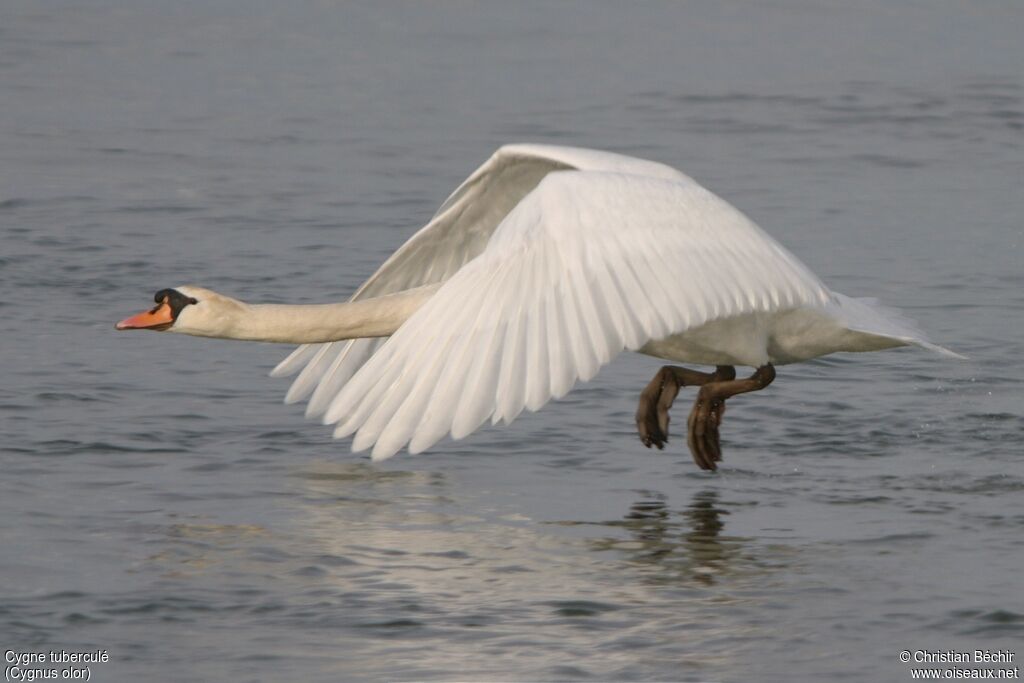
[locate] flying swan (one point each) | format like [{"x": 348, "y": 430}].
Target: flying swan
[{"x": 538, "y": 270}]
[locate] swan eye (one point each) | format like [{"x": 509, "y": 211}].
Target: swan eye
[{"x": 173, "y": 298}]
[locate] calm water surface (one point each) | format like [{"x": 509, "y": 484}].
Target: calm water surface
[{"x": 160, "y": 503}]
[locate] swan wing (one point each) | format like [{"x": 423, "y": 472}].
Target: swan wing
[
  {"x": 456, "y": 234},
  {"x": 586, "y": 265}
]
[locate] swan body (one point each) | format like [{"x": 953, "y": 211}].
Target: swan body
[{"x": 537, "y": 271}]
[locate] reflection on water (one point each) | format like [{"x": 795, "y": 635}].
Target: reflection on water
[
  {"x": 423, "y": 555},
  {"x": 678, "y": 546}
]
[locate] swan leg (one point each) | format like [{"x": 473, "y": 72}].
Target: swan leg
[
  {"x": 708, "y": 409},
  {"x": 657, "y": 397}
]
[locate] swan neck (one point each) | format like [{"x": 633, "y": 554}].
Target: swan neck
[{"x": 316, "y": 323}]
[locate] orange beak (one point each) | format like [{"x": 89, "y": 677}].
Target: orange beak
[{"x": 159, "y": 318}]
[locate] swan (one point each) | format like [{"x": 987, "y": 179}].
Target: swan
[{"x": 539, "y": 269}]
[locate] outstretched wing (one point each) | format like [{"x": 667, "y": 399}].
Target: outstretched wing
[
  {"x": 586, "y": 265},
  {"x": 457, "y": 233}
]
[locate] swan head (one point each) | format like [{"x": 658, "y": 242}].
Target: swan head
[{"x": 187, "y": 310}]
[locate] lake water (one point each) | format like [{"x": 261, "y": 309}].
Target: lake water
[{"x": 160, "y": 503}]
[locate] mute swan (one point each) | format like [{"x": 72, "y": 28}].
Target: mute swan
[{"x": 539, "y": 269}]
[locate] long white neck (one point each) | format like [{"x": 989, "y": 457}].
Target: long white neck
[{"x": 227, "y": 318}]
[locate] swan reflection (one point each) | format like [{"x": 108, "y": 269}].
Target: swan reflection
[
  {"x": 679, "y": 545},
  {"x": 376, "y": 558}
]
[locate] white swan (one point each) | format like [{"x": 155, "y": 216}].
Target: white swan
[{"x": 539, "y": 269}]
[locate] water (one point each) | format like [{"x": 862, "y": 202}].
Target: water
[{"x": 160, "y": 503}]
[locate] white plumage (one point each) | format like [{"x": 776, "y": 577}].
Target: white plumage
[{"x": 552, "y": 261}]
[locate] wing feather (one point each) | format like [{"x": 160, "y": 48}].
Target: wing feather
[
  {"x": 511, "y": 385},
  {"x": 587, "y": 330},
  {"x": 349, "y": 357},
  {"x": 560, "y": 351},
  {"x": 305, "y": 383}
]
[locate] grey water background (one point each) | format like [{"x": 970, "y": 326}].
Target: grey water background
[{"x": 159, "y": 502}]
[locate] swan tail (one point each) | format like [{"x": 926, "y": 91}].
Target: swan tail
[{"x": 870, "y": 316}]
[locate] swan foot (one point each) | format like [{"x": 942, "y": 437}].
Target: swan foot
[
  {"x": 708, "y": 410},
  {"x": 656, "y": 399}
]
